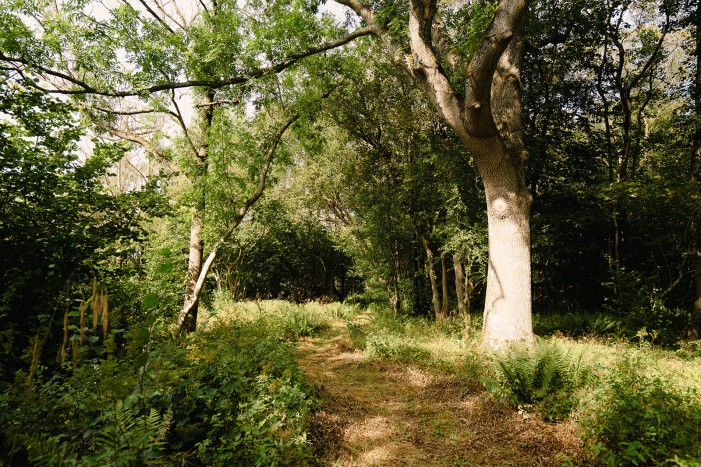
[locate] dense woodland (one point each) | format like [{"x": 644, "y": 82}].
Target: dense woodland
[{"x": 521, "y": 177}]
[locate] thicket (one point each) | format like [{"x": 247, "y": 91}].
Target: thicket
[{"x": 231, "y": 394}]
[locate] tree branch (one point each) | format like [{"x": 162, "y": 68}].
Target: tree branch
[
  {"x": 478, "y": 86},
  {"x": 156, "y": 17},
  {"x": 134, "y": 138},
  {"x": 213, "y": 84},
  {"x": 181, "y": 122}
]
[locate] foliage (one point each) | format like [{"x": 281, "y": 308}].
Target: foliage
[
  {"x": 59, "y": 227},
  {"x": 230, "y": 394},
  {"x": 282, "y": 255},
  {"x": 642, "y": 420},
  {"x": 546, "y": 377},
  {"x": 394, "y": 348}
]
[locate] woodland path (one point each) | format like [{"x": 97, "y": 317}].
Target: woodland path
[{"x": 383, "y": 413}]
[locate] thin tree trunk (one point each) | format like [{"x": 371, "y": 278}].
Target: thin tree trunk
[
  {"x": 190, "y": 306},
  {"x": 395, "y": 293},
  {"x": 435, "y": 292},
  {"x": 444, "y": 282},
  {"x": 194, "y": 263},
  {"x": 461, "y": 294}
]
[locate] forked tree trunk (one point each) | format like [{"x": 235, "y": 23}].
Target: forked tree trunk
[
  {"x": 486, "y": 116},
  {"x": 186, "y": 314}
]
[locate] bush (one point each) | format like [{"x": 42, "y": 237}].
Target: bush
[
  {"x": 231, "y": 394},
  {"x": 641, "y": 420},
  {"x": 546, "y": 378},
  {"x": 689, "y": 350},
  {"x": 358, "y": 334},
  {"x": 658, "y": 323}
]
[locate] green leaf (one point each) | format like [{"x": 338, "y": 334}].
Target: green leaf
[{"x": 151, "y": 300}]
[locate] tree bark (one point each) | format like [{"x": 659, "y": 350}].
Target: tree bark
[
  {"x": 194, "y": 265},
  {"x": 435, "y": 292},
  {"x": 695, "y": 174},
  {"x": 462, "y": 294},
  {"x": 507, "y": 309}
]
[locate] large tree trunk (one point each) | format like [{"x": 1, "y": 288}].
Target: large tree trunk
[
  {"x": 486, "y": 116},
  {"x": 507, "y": 308},
  {"x": 501, "y": 161},
  {"x": 695, "y": 174}
]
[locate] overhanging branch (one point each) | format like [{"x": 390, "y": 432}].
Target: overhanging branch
[{"x": 86, "y": 88}]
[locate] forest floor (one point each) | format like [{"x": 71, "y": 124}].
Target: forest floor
[{"x": 378, "y": 412}]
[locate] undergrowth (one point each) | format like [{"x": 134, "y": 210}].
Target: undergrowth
[
  {"x": 232, "y": 393},
  {"x": 640, "y": 419},
  {"x": 546, "y": 378},
  {"x": 229, "y": 394}
]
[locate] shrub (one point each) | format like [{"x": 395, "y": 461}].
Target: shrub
[
  {"x": 662, "y": 325},
  {"x": 642, "y": 420},
  {"x": 689, "y": 350},
  {"x": 546, "y": 378},
  {"x": 230, "y": 394},
  {"x": 358, "y": 334},
  {"x": 302, "y": 322}
]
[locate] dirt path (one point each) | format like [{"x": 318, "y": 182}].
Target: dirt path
[{"x": 378, "y": 413}]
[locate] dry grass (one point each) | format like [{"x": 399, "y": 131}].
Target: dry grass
[{"x": 382, "y": 413}]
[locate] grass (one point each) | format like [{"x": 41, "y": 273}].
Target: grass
[{"x": 424, "y": 347}]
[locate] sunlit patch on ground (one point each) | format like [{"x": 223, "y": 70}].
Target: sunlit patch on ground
[{"x": 384, "y": 413}]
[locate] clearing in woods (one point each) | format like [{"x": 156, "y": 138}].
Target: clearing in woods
[{"x": 384, "y": 413}]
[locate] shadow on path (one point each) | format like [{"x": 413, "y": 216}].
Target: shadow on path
[{"x": 380, "y": 413}]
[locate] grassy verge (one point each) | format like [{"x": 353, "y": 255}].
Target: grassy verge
[{"x": 631, "y": 402}]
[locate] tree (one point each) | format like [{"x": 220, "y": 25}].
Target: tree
[
  {"x": 214, "y": 52},
  {"x": 478, "y": 96}
]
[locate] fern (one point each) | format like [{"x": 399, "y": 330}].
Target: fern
[
  {"x": 130, "y": 439},
  {"x": 50, "y": 451},
  {"x": 546, "y": 377}
]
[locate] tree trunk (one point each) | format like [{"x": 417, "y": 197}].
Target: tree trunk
[
  {"x": 190, "y": 307},
  {"x": 507, "y": 307},
  {"x": 396, "y": 281},
  {"x": 194, "y": 265},
  {"x": 486, "y": 116},
  {"x": 695, "y": 174},
  {"x": 435, "y": 293},
  {"x": 194, "y": 268},
  {"x": 444, "y": 282},
  {"x": 461, "y": 294}
]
